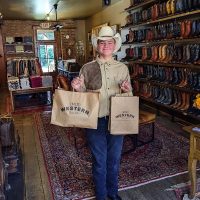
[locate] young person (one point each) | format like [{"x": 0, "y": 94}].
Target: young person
[{"x": 106, "y": 76}]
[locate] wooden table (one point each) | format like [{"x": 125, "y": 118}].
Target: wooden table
[
  {"x": 194, "y": 155},
  {"x": 14, "y": 93}
]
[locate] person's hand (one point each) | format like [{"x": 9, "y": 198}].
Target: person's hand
[
  {"x": 78, "y": 83},
  {"x": 125, "y": 86}
]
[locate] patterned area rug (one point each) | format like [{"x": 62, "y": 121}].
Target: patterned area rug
[{"x": 68, "y": 160}]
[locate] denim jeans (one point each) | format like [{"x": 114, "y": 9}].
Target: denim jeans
[{"x": 106, "y": 154}]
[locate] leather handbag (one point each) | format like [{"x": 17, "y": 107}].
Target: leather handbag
[{"x": 7, "y": 130}]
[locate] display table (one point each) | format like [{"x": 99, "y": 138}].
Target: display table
[
  {"x": 194, "y": 155},
  {"x": 32, "y": 97}
]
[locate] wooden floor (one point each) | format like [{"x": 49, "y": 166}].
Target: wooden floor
[{"x": 35, "y": 177}]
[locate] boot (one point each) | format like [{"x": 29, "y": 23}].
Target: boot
[
  {"x": 194, "y": 28},
  {"x": 183, "y": 82},
  {"x": 182, "y": 29},
  {"x": 187, "y": 29},
  {"x": 168, "y": 7},
  {"x": 175, "y": 98},
  {"x": 173, "y": 7},
  {"x": 183, "y": 97},
  {"x": 179, "y": 101},
  {"x": 187, "y": 102}
]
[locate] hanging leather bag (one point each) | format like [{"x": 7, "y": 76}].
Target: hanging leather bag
[{"x": 7, "y": 130}]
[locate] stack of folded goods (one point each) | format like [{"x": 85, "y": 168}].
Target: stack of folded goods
[
  {"x": 13, "y": 83},
  {"x": 25, "y": 83},
  {"x": 36, "y": 81},
  {"x": 47, "y": 81}
]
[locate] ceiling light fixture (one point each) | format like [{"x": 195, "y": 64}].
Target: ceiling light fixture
[
  {"x": 57, "y": 26},
  {"x": 1, "y": 15},
  {"x": 48, "y": 18}
]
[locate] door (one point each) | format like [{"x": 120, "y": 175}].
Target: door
[
  {"x": 46, "y": 49},
  {"x": 47, "y": 57}
]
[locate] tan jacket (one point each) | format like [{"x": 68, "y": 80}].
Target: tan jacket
[{"x": 104, "y": 77}]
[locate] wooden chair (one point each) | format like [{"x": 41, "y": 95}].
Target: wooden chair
[
  {"x": 194, "y": 155},
  {"x": 145, "y": 117}
]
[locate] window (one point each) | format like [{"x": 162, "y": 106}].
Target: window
[
  {"x": 45, "y": 35},
  {"x": 46, "y": 49},
  {"x": 46, "y": 57}
]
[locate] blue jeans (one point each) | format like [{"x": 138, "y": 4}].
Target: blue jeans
[{"x": 106, "y": 153}]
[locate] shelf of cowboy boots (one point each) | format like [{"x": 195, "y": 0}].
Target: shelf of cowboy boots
[
  {"x": 182, "y": 87},
  {"x": 167, "y": 41},
  {"x": 168, "y": 18},
  {"x": 190, "y": 112},
  {"x": 188, "y": 65},
  {"x": 133, "y": 7}
]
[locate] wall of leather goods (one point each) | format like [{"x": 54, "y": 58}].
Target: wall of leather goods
[{"x": 162, "y": 49}]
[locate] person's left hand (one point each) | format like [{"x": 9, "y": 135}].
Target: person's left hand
[{"x": 125, "y": 86}]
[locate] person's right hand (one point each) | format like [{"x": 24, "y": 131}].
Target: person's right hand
[{"x": 78, "y": 83}]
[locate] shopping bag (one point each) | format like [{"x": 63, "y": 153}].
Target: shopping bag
[
  {"x": 75, "y": 109},
  {"x": 124, "y": 115}
]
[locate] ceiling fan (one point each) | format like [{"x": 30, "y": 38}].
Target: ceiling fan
[{"x": 57, "y": 26}]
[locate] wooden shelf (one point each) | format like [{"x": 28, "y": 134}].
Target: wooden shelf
[
  {"x": 197, "y": 66},
  {"x": 15, "y": 44},
  {"x": 139, "y": 5},
  {"x": 175, "y": 16},
  {"x": 170, "y": 109},
  {"x": 164, "y": 84},
  {"x": 168, "y": 41}
]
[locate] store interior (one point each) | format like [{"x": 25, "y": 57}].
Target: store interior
[{"x": 43, "y": 46}]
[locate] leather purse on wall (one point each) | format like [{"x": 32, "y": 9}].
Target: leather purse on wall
[{"x": 7, "y": 130}]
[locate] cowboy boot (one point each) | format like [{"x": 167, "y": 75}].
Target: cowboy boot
[
  {"x": 173, "y": 7},
  {"x": 159, "y": 53},
  {"x": 182, "y": 29},
  {"x": 187, "y": 28},
  {"x": 185, "y": 5},
  {"x": 197, "y": 54},
  {"x": 189, "y": 5},
  {"x": 175, "y": 97},
  {"x": 163, "y": 52},
  {"x": 194, "y": 28},
  {"x": 194, "y": 80},
  {"x": 168, "y": 7},
  {"x": 161, "y": 10},
  {"x": 183, "y": 96},
  {"x": 187, "y": 102},
  {"x": 164, "y": 9},
  {"x": 149, "y": 53},
  {"x": 180, "y": 53},
  {"x": 156, "y": 53},
  {"x": 185, "y": 78},
  {"x": 144, "y": 54},
  {"x": 179, "y": 6},
  {"x": 131, "y": 36},
  {"x": 177, "y": 29},
  {"x": 179, "y": 102}
]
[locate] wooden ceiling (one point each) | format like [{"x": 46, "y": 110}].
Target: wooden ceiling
[{"x": 38, "y": 9}]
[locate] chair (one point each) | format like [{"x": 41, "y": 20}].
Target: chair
[{"x": 145, "y": 118}]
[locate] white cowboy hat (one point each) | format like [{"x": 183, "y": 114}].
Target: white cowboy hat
[{"x": 107, "y": 33}]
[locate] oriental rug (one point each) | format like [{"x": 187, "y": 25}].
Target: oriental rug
[{"x": 68, "y": 160}]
